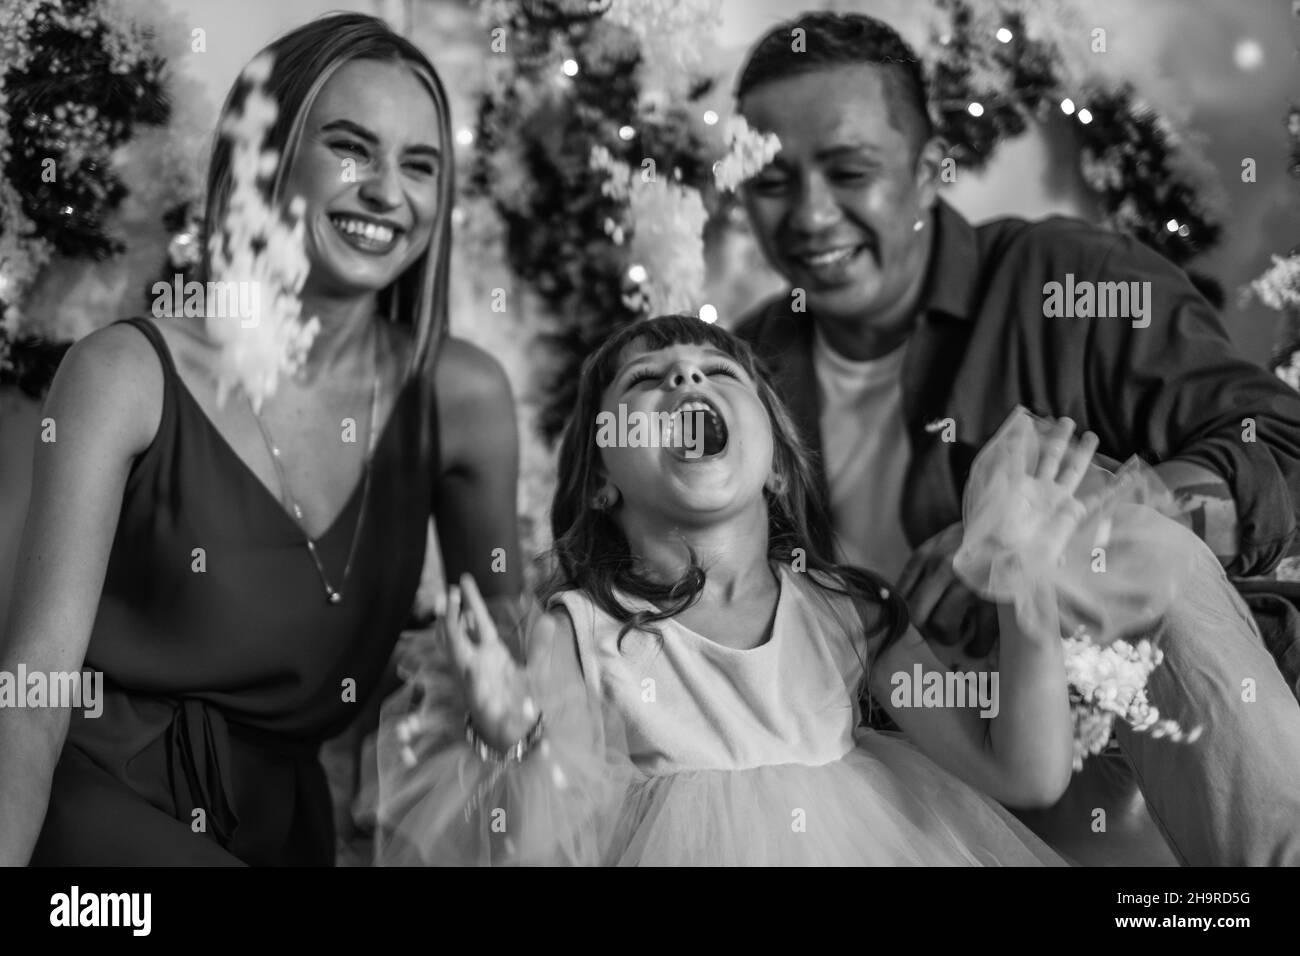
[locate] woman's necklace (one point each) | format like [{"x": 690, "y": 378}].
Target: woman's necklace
[{"x": 333, "y": 594}]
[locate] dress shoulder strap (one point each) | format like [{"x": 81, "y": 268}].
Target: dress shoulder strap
[
  {"x": 167, "y": 421},
  {"x": 150, "y": 332}
]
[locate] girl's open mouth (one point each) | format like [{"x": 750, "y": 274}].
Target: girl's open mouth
[{"x": 695, "y": 429}]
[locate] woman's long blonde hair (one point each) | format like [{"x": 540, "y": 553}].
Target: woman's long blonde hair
[{"x": 303, "y": 61}]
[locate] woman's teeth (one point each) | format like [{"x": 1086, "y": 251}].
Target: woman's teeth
[
  {"x": 830, "y": 257},
  {"x": 365, "y": 235}
]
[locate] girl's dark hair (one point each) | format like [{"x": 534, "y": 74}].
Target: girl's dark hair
[
  {"x": 303, "y": 60},
  {"x": 592, "y": 553}
]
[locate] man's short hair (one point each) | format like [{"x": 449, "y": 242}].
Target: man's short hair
[{"x": 845, "y": 39}]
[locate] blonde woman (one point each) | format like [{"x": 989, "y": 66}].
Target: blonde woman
[{"x": 232, "y": 572}]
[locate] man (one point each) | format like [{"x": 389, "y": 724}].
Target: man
[{"x": 908, "y": 336}]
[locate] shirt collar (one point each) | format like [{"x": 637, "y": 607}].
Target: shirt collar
[{"x": 951, "y": 282}]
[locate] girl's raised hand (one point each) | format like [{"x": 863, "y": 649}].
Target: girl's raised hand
[
  {"x": 496, "y": 687},
  {"x": 1021, "y": 496}
]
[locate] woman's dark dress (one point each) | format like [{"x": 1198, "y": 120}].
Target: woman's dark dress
[{"x": 224, "y": 673}]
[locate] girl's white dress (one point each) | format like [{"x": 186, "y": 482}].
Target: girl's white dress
[{"x": 680, "y": 751}]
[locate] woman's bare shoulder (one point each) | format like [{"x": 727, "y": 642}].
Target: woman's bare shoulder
[
  {"x": 466, "y": 375},
  {"x": 112, "y": 377},
  {"x": 476, "y": 407}
]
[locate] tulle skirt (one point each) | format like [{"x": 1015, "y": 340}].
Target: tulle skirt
[
  {"x": 882, "y": 804},
  {"x": 580, "y": 799}
]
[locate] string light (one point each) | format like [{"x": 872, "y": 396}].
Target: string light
[
  {"x": 1184, "y": 231},
  {"x": 975, "y": 109},
  {"x": 1248, "y": 55},
  {"x": 1172, "y": 225},
  {"x": 637, "y": 274},
  {"x": 465, "y": 136},
  {"x": 570, "y": 67},
  {"x": 1004, "y": 35},
  {"x": 625, "y": 133},
  {"x": 1067, "y": 106},
  {"x": 710, "y": 117},
  {"x": 1085, "y": 116},
  {"x": 708, "y": 314}
]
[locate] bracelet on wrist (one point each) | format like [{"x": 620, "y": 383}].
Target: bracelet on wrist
[{"x": 515, "y": 753}]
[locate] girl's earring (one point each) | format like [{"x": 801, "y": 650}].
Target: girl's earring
[
  {"x": 775, "y": 484},
  {"x": 918, "y": 225},
  {"x": 604, "y": 499}
]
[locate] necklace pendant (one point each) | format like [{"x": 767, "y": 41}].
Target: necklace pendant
[{"x": 331, "y": 595}]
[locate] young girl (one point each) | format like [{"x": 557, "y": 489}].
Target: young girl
[{"x": 692, "y": 694}]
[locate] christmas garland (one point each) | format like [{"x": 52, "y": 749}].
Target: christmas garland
[
  {"x": 990, "y": 78},
  {"x": 601, "y": 181},
  {"x": 78, "y": 77}
]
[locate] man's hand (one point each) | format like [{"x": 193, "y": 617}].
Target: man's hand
[{"x": 943, "y": 609}]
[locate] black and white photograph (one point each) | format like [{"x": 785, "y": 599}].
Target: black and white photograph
[{"x": 654, "y": 433}]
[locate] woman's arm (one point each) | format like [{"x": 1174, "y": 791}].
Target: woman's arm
[
  {"x": 474, "y": 503},
  {"x": 438, "y": 801},
  {"x": 104, "y": 405},
  {"x": 1022, "y": 754},
  {"x": 475, "y": 498}
]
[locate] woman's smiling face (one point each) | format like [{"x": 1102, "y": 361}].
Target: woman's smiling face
[
  {"x": 730, "y": 460},
  {"x": 368, "y": 167}
]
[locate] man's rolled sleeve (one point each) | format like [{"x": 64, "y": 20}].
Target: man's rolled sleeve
[{"x": 1265, "y": 501}]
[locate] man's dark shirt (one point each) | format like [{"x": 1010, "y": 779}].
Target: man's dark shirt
[{"x": 1173, "y": 390}]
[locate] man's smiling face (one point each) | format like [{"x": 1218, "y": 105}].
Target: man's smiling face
[{"x": 834, "y": 212}]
